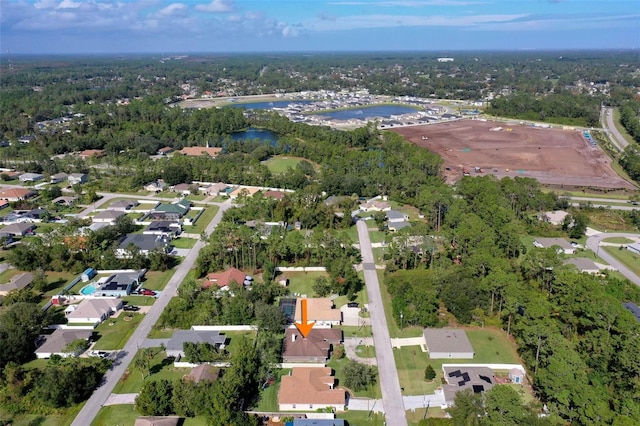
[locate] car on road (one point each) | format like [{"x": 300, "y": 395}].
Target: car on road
[{"x": 352, "y": 304}]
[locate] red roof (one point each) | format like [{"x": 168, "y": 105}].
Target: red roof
[
  {"x": 223, "y": 279},
  {"x": 278, "y": 195}
]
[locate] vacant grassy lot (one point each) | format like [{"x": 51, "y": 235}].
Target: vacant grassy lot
[
  {"x": 161, "y": 368},
  {"x": 490, "y": 346},
  {"x": 628, "y": 258},
  {"x": 302, "y": 282},
  {"x": 362, "y": 418},
  {"x": 608, "y": 220},
  {"x": 280, "y": 164},
  {"x": 124, "y": 415},
  {"x": 157, "y": 280},
  {"x": 184, "y": 243},
  {"x": 203, "y": 221},
  {"x": 114, "y": 332},
  {"x": 63, "y": 418}
]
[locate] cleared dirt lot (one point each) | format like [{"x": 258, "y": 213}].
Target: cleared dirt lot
[{"x": 552, "y": 156}]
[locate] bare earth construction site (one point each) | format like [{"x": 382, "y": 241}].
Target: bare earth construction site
[{"x": 552, "y": 156}]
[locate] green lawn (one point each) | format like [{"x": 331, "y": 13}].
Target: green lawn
[
  {"x": 125, "y": 415},
  {"x": 269, "y": 397},
  {"x": 161, "y": 368},
  {"x": 184, "y": 243},
  {"x": 628, "y": 258},
  {"x": 203, "y": 221},
  {"x": 414, "y": 417},
  {"x": 338, "y": 366},
  {"x": 616, "y": 121},
  {"x": 114, "y": 332},
  {"x": 63, "y": 417},
  {"x": 57, "y": 281},
  {"x": 353, "y": 331},
  {"x": 139, "y": 300},
  {"x": 157, "y": 280},
  {"x": 365, "y": 351},
  {"x": 6, "y": 276},
  {"x": 618, "y": 240},
  {"x": 362, "y": 418},
  {"x": 609, "y": 220},
  {"x": 490, "y": 346},
  {"x": 195, "y": 197},
  {"x": 302, "y": 282},
  {"x": 280, "y": 164}
]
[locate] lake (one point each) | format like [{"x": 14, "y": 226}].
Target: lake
[
  {"x": 269, "y": 105},
  {"x": 368, "y": 112},
  {"x": 253, "y": 133}
]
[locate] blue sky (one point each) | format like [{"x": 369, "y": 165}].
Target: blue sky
[{"x": 127, "y": 26}]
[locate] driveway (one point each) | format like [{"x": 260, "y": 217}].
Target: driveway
[
  {"x": 365, "y": 404},
  {"x": 350, "y": 345},
  {"x": 102, "y": 393},
  {"x": 121, "y": 398},
  {"x": 388, "y": 374},
  {"x": 351, "y": 316}
]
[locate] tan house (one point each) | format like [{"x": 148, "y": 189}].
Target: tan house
[
  {"x": 319, "y": 310},
  {"x": 307, "y": 389},
  {"x": 94, "y": 311},
  {"x": 200, "y": 151}
]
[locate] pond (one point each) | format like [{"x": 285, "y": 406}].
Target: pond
[
  {"x": 368, "y": 112},
  {"x": 252, "y": 133}
]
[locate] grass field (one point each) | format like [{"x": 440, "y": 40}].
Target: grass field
[
  {"x": 184, "y": 243},
  {"x": 203, "y": 221},
  {"x": 366, "y": 351},
  {"x": 628, "y": 258},
  {"x": 157, "y": 280},
  {"x": 64, "y": 418},
  {"x": 608, "y": 220},
  {"x": 114, "y": 332},
  {"x": 8, "y": 274},
  {"x": 302, "y": 282},
  {"x": 353, "y": 331},
  {"x": 125, "y": 415},
  {"x": 161, "y": 368},
  {"x": 490, "y": 346},
  {"x": 280, "y": 164},
  {"x": 362, "y": 418},
  {"x": 618, "y": 240}
]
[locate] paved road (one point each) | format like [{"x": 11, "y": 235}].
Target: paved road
[
  {"x": 616, "y": 137},
  {"x": 593, "y": 243},
  {"x": 599, "y": 200},
  {"x": 389, "y": 384},
  {"x": 608, "y": 206},
  {"x": 100, "y": 396}
]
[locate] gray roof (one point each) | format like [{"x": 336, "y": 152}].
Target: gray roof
[
  {"x": 144, "y": 241},
  {"x": 398, "y": 225},
  {"x": 60, "y": 338},
  {"x": 582, "y": 263},
  {"x": 550, "y": 242},
  {"x": 18, "y": 282},
  {"x": 395, "y": 215},
  {"x": 180, "y": 337},
  {"x": 447, "y": 340},
  {"x": 124, "y": 204},
  {"x": 318, "y": 422},
  {"x": 109, "y": 214},
  {"x": 478, "y": 379},
  {"x": 18, "y": 228}
]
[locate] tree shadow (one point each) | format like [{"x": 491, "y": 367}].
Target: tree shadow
[
  {"x": 37, "y": 421},
  {"x": 158, "y": 367}
]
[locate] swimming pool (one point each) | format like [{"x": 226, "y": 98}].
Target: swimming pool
[{"x": 88, "y": 290}]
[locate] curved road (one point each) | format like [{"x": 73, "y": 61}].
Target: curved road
[
  {"x": 594, "y": 243},
  {"x": 389, "y": 384},
  {"x": 125, "y": 356},
  {"x": 608, "y": 123}
]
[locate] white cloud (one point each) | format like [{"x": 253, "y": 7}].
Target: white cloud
[
  {"x": 174, "y": 9},
  {"x": 216, "y": 6},
  {"x": 408, "y": 3},
  {"x": 68, "y": 4}
]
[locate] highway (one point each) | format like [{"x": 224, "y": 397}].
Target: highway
[
  {"x": 389, "y": 383},
  {"x": 616, "y": 137},
  {"x": 124, "y": 358}
]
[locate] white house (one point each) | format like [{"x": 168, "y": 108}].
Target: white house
[
  {"x": 77, "y": 178},
  {"x": 57, "y": 342},
  {"x": 634, "y": 248},
  {"x": 30, "y": 177},
  {"x": 447, "y": 343},
  {"x": 564, "y": 246},
  {"x": 94, "y": 311}
]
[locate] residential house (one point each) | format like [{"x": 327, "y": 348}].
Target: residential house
[
  {"x": 447, "y": 343},
  {"x": 165, "y": 151},
  {"x": 224, "y": 279},
  {"x": 460, "y": 378},
  {"x": 175, "y": 345},
  {"x": 165, "y": 228},
  {"x": 171, "y": 211},
  {"x": 318, "y": 422},
  {"x": 396, "y": 226},
  {"x": 33, "y": 215},
  {"x": 396, "y": 216},
  {"x": 77, "y": 178},
  {"x": 375, "y": 206},
  {"x": 19, "y": 229},
  {"x": 216, "y": 189},
  {"x": 16, "y": 194},
  {"x": 107, "y": 216},
  {"x": 182, "y": 189},
  {"x": 634, "y": 309},
  {"x": 334, "y": 200},
  {"x": 315, "y": 348},
  {"x": 123, "y": 205},
  {"x": 319, "y": 310},
  {"x": 26, "y": 138},
  {"x": 65, "y": 200},
  {"x": 18, "y": 282},
  {"x": 156, "y": 186},
  {"x": 58, "y": 177},
  {"x": 564, "y": 246},
  {"x": 308, "y": 389},
  {"x": 158, "y": 421},
  {"x": 276, "y": 195},
  {"x": 634, "y": 248},
  {"x": 200, "y": 151},
  {"x": 3, "y": 204},
  {"x": 118, "y": 285},
  {"x": 94, "y": 311},
  {"x": 145, "y": 244},
  {"x": 92, "y": 153},
  {"x": 203, "y": 373},
  {"x": 10, "y": 174},
  {"x": 583, "y": 264},
  {"x": 57, "y": 342},
  {"x": 554, "y": 217},
  {"x": 243, "y": 191}
]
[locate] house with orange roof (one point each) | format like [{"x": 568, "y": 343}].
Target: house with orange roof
[
  {"x": 320, "y": 310},
  {"x": 16, "y": 194},
  {"x": 92, "y": 153},
  {"x": 200, "y": 151},
  {"x": 307, "y": 389},
  {"x": 224, "y": 279}
]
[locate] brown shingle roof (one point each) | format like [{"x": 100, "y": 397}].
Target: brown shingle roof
[
  {"x": 310, "y": 386},
  {"x": 203, "y": 372},
  {"x": 17, "y": 193},
  {"x": 198, "y": 151},
  {"x": 315, "y": 345},
  {"x": 223, "y": 279}
]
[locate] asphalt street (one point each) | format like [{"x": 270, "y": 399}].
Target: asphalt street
[
  {"x": 593, "y": 243},
  {"x": 389, "y": 384},
  {"x": 124, "y": 357},
  {"x": 617, "y": 138}
]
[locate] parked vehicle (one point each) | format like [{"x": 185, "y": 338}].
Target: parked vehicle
[
  {"x": 147, "y": 292},
  {"x": 352, "y": 304},
  {"x": 131, "y": 308}
]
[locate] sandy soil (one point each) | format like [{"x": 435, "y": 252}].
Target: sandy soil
[{"x": 552, "y": 156}]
